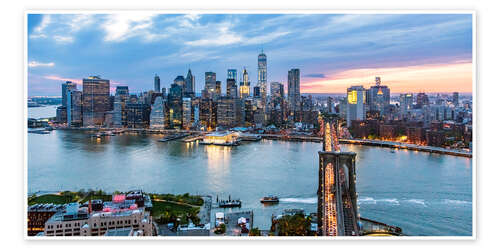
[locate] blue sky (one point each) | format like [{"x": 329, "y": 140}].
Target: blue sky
[{"x": 332, "y": 51}]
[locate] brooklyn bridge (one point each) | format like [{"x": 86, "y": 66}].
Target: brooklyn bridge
[{"x": 338, "y": 213}]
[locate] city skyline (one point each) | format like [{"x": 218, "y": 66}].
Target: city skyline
[{"x": 357, "y": 47}]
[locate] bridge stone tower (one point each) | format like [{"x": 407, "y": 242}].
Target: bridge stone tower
[{"x": 337, "y": 198}]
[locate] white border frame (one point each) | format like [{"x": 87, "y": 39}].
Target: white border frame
[{"x": 276, "y": 11}]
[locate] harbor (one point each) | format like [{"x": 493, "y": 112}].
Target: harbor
[{"x": 254, "y": 170}]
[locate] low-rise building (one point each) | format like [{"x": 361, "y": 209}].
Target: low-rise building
[{"x": 115, "y": 218}]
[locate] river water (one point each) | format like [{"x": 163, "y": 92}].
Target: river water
[{"x": 423, "y": 193}]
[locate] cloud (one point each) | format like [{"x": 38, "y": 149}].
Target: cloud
[
  {"x": 222, "y": 35},
  {"x": 120, "y": 27},
  {"x": 63, "y": 39},
  {"x": 62, "y": 79},
  {"x": 453, "y": 76},
  {"x": 61, "y": 28},
  {"x": 75, "y": 80},
  {"x": 315, "y": 75},
  {"x": 46, "y": 19},
  {"x": 34, "y": 64}
]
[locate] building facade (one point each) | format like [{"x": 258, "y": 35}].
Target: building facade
[
  {"x": 356, "y": 100},
  {"x": 294, "y": 91},
  {"x": 95, "y": 100},
  {"x": 245, "y": 85},
  {"x": 157, "y": 118}
]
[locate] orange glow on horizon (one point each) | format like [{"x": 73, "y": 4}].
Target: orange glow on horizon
[{"x": 427, "y": 78}]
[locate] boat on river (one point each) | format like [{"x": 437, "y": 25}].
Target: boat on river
[{"x": 269, "y": 199}]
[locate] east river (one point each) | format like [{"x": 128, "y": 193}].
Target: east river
[{"x": 423, "y": 193}]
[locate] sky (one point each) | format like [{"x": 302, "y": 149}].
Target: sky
[{"x": 410, "y": 52}]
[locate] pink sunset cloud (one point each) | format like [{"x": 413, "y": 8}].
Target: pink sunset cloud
[{"x": 456, "y": 76}]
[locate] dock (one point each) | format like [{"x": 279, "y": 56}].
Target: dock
[{"x": 234, "y": 228}]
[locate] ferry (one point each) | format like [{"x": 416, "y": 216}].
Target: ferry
[
  {"x": 270, "y": 199},
  {"x": 226, "y": 138},
  {"x": 228, "y": 202}
]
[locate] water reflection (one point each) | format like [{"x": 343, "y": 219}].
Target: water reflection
[{"x": 392, "y": 186}]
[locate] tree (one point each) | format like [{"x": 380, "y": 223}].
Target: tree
[
  {"x": 254, "y": 232},
  {"x": 296, "y": 225},
  {"x": 221, "y": 229}
]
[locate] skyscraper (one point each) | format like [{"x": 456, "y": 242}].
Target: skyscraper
[
  {"x": 455, "y": 99},
  {"x": 422, "y": 100},
  {"x": 231, "y": 88},
  {"x": 356, "y": 100},
  {"x": 121, "y": 92},
  {"x": 186, "y": 113},
  {"x": 232, "y": 74},
  {"x": 227, "y": 111},
  {"x": 157, "y": 83},
  {"x": 210, "y": 83},
  {"x": 175, "y": 105},
  {"x": 157, "y": 116},
  {"x": 244, "y": 85},
  {"x": 277, "y": 103},
  {"x": 378, "y": 97},
  {"x": 218, "y": 89},
  {"x": 179, "y": 80},
  {"x": 95, "y": 100},
  {"x": 190, "y": 84},
  {"x": 262, "y": 78},
  {"x": 65, "y": 87},
  {"x": 294, "y": 90},
  {"x": 405, "y": 103},
  {"x": 74, "y": 108}
]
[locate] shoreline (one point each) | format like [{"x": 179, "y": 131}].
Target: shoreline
[{"x": 299, "y": 138}]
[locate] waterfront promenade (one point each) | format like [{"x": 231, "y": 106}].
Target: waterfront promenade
[{"x": 197, "y": 135}]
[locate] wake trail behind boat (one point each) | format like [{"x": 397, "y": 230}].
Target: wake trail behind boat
[{"x": 312, "y": 200}]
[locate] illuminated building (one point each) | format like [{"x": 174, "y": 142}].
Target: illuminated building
[
  {"x": 227, "y": 112},
  {"x": 61, "y": 114},
  {"x": 378, "y": 97},
  {"x": 119, "y": 111},
  {"x": 415, "y": 135},
  {"x": 248, "y": 108},
  {"x": 405, "y": 103},
  {"x": 277, "y": 103},
  {"x": 232, "y": 74},
  {"x": 422, "y": 100},
  {"x": 95, "y": 100},
  {"x": 208, "y": 113},
  {"x": 231, "y": 88},
  {"x": 218, "y": 89},
  {"x": 157, "y": 118},
  {"x": 294, "y": 91},
  {"x": 262, "y": 78},
  {"x": 157, "y": 83},
  {"x": 190, "y": 85},
  {"x": 256, "y": 93},
  {"x": 245, "y": 85},
  {"x": 186, "y": 113},
  {"x": 221, "y": 138},
  {"x": 175, "y": 106},
  {"x": 38, "y": 214},
  {"x": 210, "y": 84},
  {"x": 356, "y": 100},
  {"x": 137, "y": 115},
  {"x": 119, "y": 214}
]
